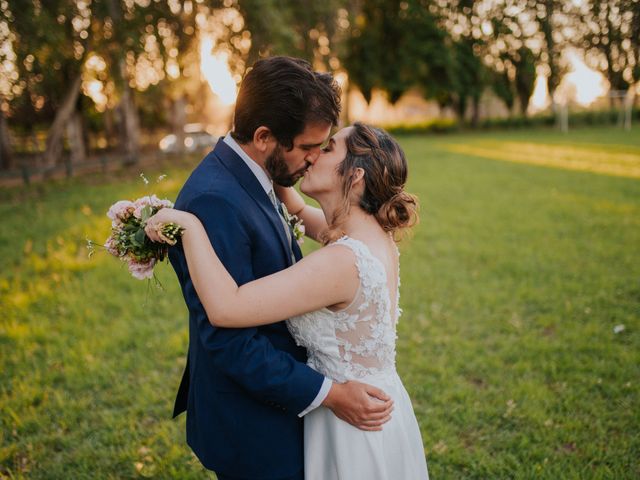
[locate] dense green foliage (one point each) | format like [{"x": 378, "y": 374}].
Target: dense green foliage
[{"x": 512, "y": 285}]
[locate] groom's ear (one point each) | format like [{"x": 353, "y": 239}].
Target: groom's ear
[{"x": 262, "y": 138}]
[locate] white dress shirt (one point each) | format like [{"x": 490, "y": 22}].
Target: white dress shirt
[{"x": 267, "y": 185}]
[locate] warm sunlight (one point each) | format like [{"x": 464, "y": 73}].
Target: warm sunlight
[
  {"x": 215, "y": 68},
  {"x": 589, "y": 84},
  {"x": 540, "y": 98},
  {"x": 581, "y": 85}
]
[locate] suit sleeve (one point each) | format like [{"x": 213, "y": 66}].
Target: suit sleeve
[{"x": 270, "y": 375}]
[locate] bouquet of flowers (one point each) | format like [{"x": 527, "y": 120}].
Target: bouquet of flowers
[{"x": 128, "y": 240}]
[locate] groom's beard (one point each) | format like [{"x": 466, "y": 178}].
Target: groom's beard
[{"x": 278, "y": 169}]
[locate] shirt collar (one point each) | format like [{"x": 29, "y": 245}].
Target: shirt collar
[{"x": 257, "y": 170}]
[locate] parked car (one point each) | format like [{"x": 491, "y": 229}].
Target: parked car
[{"x": 195, "y": 138}]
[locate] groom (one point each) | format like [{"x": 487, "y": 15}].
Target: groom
[{"x": 245, "y": 391}]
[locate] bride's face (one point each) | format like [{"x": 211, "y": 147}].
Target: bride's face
[{"x": 322, "y": 177}]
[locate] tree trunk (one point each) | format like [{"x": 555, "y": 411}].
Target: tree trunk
[
  {"x": 6, "y": 156},
  {"x": 129, "y": 122},
  {"x": 53, "y": 148},
  {"x": 475, "y": 112},
  {"x": 130, "y": 131},
  {"x": 524, "y": 105},
  {"x": 346, "y": 111},
  {"x": 178, "y": 121},
  {"x": 553, "y": 80},
  {"x": 76, "y": 139},
  {"x": 110, "y": 128}
]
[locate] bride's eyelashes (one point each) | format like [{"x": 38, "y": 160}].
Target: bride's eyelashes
[{"x": 329, "y": 146}]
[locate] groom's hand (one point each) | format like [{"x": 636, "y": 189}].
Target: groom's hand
[{"x": 359, "y": 404}]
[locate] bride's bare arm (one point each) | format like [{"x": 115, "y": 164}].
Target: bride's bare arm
[
  {"x": 314, "y": 220},
  {"x": 326, "y": 277}
]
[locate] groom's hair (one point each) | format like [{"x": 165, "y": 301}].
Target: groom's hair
[{"x": 285, "y": 95}]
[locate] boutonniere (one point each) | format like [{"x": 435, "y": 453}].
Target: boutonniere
[{"x": 296, "y": 224}]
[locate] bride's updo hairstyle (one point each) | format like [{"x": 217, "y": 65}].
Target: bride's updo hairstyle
[{"x": 385, "y": 175}]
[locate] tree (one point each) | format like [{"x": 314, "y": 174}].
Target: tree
[
  {"x": 470, "y": 79},
  {"x": 503, "y": 86},
  {"x": 610, "y": 40},
  {"x": 50, "y": 43},
  {"x": 464, "y": 19},
  {"x": 6, "y": 154},
  {"x": 397, "y": 45},
  {"x": 525, "y": 76},
  {"x": 141, "y": 42},
  {"x": 552, "y": 17}
]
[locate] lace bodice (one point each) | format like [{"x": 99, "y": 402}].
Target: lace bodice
[{"x": 360, "y": 339}]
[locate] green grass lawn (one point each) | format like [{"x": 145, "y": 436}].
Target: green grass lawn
[{"x": 526, "y": 258}]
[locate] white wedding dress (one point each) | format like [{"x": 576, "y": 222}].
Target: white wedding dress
[{"x": 358, "y": 343}]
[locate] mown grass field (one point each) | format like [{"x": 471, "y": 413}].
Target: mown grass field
[{"x": 526, "y": 259}]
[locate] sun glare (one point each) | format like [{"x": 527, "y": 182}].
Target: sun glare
[
  {"x": 540, "y": 97},
  {"x": 581, "y": 85},
  {"x": 589, "y": 84},
  {"x": 215, "y": 68}
]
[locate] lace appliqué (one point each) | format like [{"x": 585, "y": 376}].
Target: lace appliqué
[{"x": 359, "y": 340}]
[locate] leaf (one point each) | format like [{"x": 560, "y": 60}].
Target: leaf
[
  {"x": 146, "y": 213},
  {"x": 139, "y": 237}
]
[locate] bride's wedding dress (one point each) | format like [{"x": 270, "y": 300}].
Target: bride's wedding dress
[{"x": 358, "y": 343}]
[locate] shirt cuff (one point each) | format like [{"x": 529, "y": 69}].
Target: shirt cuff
[{"x": 322, "y": 394}]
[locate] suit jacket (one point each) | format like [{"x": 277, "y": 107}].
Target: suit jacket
[{"x": 242, "y": 389}]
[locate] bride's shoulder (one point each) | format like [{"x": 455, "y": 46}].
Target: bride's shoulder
[
  {"x": 340, "y": 255},
  {"x": 338, "y": 251}
]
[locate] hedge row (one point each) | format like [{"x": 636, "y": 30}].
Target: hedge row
[{"x": 576, "y": 119}]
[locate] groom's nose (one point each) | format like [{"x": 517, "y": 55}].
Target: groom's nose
[{"x": 312, "y": 156}]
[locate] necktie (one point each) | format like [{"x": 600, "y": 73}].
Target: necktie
[{"x": 278, "y": 206}]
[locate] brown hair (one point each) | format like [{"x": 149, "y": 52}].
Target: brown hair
[
  {"x": 385, "y": 175},
  {"x": 285, "y": 95}
]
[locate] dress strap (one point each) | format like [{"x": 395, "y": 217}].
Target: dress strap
[{"x": 371, "y": 271}]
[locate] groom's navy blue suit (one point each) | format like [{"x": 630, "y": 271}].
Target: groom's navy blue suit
[{"x": 242, "y": 388}]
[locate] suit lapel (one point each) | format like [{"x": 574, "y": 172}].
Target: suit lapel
[{"x": 252, "y": 186}]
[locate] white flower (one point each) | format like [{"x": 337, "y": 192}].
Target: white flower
[
  {"x": 296, "y": 224},
  {"x": 618, "y": 329}
]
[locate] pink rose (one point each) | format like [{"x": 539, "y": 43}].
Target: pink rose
[
  {"x": 141, "y": 270},
  {"x": 120, "y": 211},
  {"x": 151, "y": 200},
  {"x": 139, "y": 204},
  {"x": 110, "y": 245}
]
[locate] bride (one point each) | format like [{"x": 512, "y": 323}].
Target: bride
[{"x": 341, "y": 300}]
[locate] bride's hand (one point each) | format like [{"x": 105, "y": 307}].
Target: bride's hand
[
  {"x": 282, "y": 192},
  {"x": 154, "y": 225}
]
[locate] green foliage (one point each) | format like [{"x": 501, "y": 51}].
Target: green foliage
[
  {"x": 443, "y": 125},
  {"x": 49, "y": 54},
  {"x": 470, "y": 75},
  {"x": 503, "y": 87},
  {"x": 396, "y": 45},
  {"x": 512, "y": 285}
]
